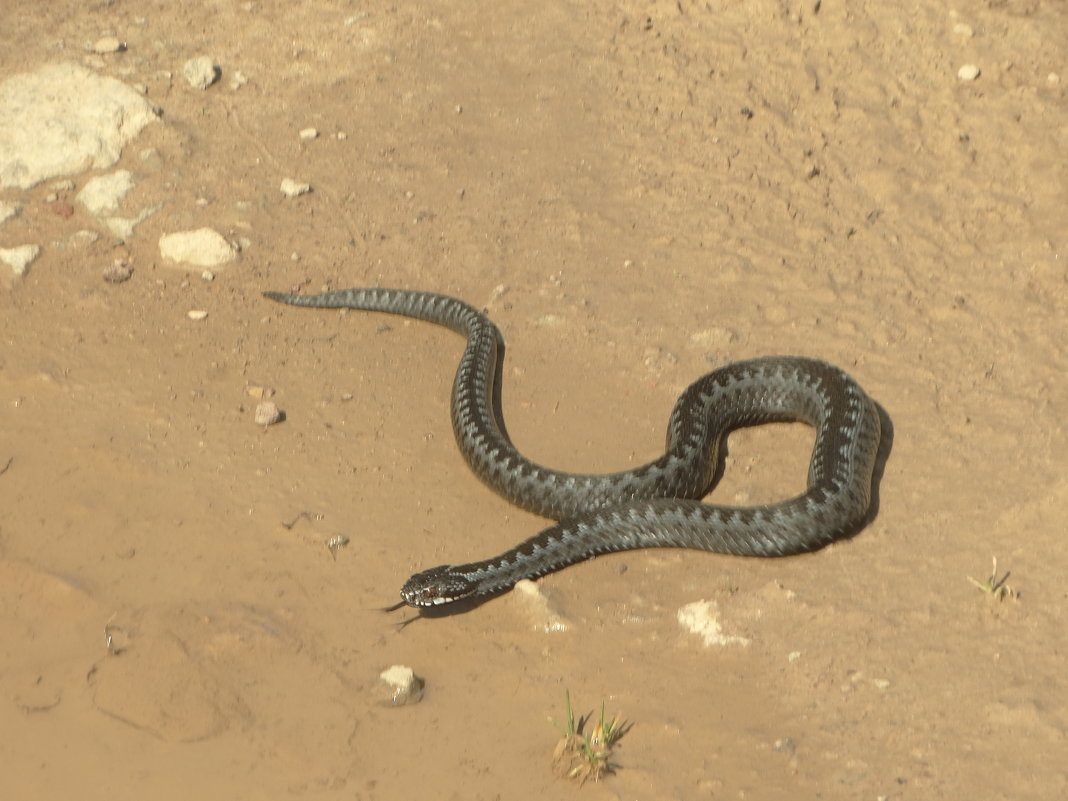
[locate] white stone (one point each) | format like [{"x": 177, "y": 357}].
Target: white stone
[
  {"x": 702, "y": 618},
  {"x": 267, "y": 413},
  {"x": 714, "y": 338},
  {"x": 308, "y": 133},
  {"x": 63, "y": 119},
  {"x": 291, "y": 188},
  {"x": 969, "y": 72},
  {"x": 200, "y": 72},
  {"x": 20, "y": 258},
  {"x": 402, "y": 685},
  {"x": 201, "y": 248},
  {"x": 104, "y": 192},
  {"x": 196, "y": 314},
  {"x": 109, "y": 44}
]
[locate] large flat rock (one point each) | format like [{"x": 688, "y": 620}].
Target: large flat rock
[{"x": 64, "y": 119}]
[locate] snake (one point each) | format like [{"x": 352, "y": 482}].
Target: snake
[{"x": 659, "y": 504}]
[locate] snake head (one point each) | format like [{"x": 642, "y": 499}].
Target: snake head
[{"x": 436, "y": 586}]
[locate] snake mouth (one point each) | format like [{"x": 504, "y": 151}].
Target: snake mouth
[{"x": 435, "y": 587}]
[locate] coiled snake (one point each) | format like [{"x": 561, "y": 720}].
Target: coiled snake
[{"x": 656, "y": 505}]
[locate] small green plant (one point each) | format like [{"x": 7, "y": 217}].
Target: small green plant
[
  {"x": 994, "y": 586},
  {"x": 580, "y": 756}
]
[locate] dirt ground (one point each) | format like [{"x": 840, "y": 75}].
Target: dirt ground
[{"x": 635, "y": 192}]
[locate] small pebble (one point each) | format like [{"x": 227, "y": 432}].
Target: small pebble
[
  {"x": 267, "y": 413},
  {"x": 109, "y": 44},
  {"x": 118, "y": 272},
  {"x": 258, "y": 392},
  {"x": 969, "y": 72},
  {"x": 291, "y": 188},
  {"x": 200, "y": 72},
  {"x": 401, "y": 686},
  {"x": 309, "y": 133},
  {"x": 963, "y": 30},
  {"x": 207, "y": 275},
  {"x": 196, "y": 314}
]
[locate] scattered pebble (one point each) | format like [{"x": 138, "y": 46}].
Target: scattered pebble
[
  {"x": 104, "y": 193},
  {"x": 109, "y": 44},
  {"x": 701, "y": 618},
  {"x": 963, "y": 30},
  {"x": 196, "y": 314},
  {"x": 118, "y": 272},
  {"x": 267, "y": 413},
  {"x": 401, "y": 686},
  {"x": 715, "y": 338},
  {"x": 201, "y": 72},
  {"x": 969, "y": 72},
  {"x": 208, "y": 276},
  {"x": 237, "y": 80},
  {"x": 204, "y": 247},
  {"x": 19, "y": 259},
  {"x": 309, "y": 133},
  {"x": 291, "y": 188},
  {"x": 258, "y": 392}
]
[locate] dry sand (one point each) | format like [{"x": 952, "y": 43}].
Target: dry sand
[{"x": 658, "y": 187}]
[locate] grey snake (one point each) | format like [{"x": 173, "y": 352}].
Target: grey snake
[{"x": 657, "y": 504}]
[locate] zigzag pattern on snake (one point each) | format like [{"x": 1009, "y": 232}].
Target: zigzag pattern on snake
[{"x": 657, "y": 504}]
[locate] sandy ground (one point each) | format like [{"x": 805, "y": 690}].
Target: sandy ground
[{"x": 635, "y": 191}]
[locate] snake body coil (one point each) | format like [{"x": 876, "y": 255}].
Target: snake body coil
[{"x": 656, "y": 505}]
